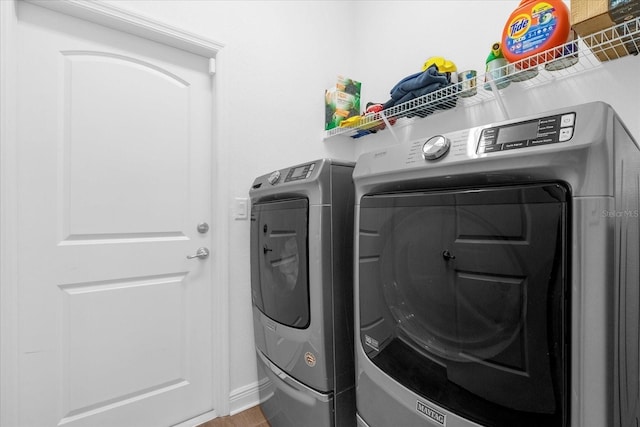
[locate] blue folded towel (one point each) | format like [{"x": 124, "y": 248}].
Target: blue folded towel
[{"x": 417, "y": 85}]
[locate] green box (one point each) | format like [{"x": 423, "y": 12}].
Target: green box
[{"x": 341, "y": 102}]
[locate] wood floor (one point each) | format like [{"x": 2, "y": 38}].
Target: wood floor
[{"x": 252, "y": 417}]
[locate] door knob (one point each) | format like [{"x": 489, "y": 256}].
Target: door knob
[{"x": 201, "y": 253}]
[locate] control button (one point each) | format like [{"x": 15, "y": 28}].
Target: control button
[
  {"x": 546, "y": 128},
  {"x": 548, "y": 121},
  {"x": 567, "y": 120},
  {"x": 435, "y": 147},
  {"x": 490, "y": 148},
  {"x": 512, "y": 145},
  {"x": 541, "y": 141},
  {"x": 274, "y": 177},
  {"x": 487, "y": 141},
  {"x": 565, "y": 134}
]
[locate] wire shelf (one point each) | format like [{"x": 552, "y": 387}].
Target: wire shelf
[{"x": 569, "y": 59}]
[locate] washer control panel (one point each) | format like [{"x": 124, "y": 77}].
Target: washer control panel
[
  {"x": 290, "y": 176},
  {"x": 532, "y": 133},
  {"x": 299, "y": 172},
  {"x": 293, "y": 174}
]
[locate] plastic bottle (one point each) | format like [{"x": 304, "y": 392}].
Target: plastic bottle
[
  {"x": 534, "y": 27},
  {"x": 496, "y": 68}
]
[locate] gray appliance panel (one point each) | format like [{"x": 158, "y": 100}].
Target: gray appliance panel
[
  {"x": 589, "y": 149},
  {"x": 600, "y": 163},
  {"x": 289, "y": 403},
  {"x": 320, "y": 356}
]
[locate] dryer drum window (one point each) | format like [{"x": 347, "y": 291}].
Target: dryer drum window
[
  {"x": 462, "y": 298},
  {"x": 280, "y": 284}
]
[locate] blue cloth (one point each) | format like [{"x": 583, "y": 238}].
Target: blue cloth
[{"x": 417, "y": 85}]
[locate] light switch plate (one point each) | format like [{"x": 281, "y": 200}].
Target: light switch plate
[{"x": 241, "y": 208}]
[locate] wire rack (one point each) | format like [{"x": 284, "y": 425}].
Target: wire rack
[{"x": 571, "y": 58}]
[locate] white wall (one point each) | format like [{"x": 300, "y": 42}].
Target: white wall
[{"x": 278, "y": 58}]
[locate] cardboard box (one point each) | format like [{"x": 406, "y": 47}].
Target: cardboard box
[
  {"x": 341, "y": 102},
  {"x": 593, "y": 16}
]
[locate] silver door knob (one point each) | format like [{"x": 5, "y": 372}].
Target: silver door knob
[{"x": 201, "y": 253}]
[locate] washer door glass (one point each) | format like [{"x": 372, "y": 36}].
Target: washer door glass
[
  {"x": 461, "y": 298},
  {"x": 279, "y": 278}
]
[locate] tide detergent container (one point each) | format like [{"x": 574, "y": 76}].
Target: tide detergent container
[{"x": 534, "y": 27}]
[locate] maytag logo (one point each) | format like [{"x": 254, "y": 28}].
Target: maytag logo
[{"x": 431, "y": 413}]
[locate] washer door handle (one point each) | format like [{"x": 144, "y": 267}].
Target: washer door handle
[{"x": 448, "y": 255}]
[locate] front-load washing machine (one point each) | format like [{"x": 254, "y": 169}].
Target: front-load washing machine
[
  {"x": 302, "y": 293},
  {"x": 497, "y": 276}
]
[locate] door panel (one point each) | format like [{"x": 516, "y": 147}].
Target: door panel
[
  {"x": 114, "y": 171},
  {"x": 96, "y": 90},
  {"x": 101, "y": 357}
]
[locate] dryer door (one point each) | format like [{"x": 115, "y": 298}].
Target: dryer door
[
  {"x": 279, "y": 279},
  {"x": 462, "y": 298}
]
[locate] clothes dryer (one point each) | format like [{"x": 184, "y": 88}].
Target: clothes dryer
[
  {"x": 497, "y": 276},
  {"x": 302, "y": 293}
]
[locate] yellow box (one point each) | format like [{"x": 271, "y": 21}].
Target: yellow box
[{"x": 593, "y": 16}]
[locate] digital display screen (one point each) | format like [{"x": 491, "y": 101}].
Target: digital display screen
[
  {"x": 298, "y": 172},
  {"x": 518, "y": 132}
]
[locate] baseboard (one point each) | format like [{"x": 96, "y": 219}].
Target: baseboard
[
  {"x": 247, "y": 396},
  {"x": 200, "y": 419},
  {"x": 240, "y": 400}
]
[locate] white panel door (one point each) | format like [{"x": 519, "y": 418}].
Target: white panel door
[{"x": 114, "y": 174}]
